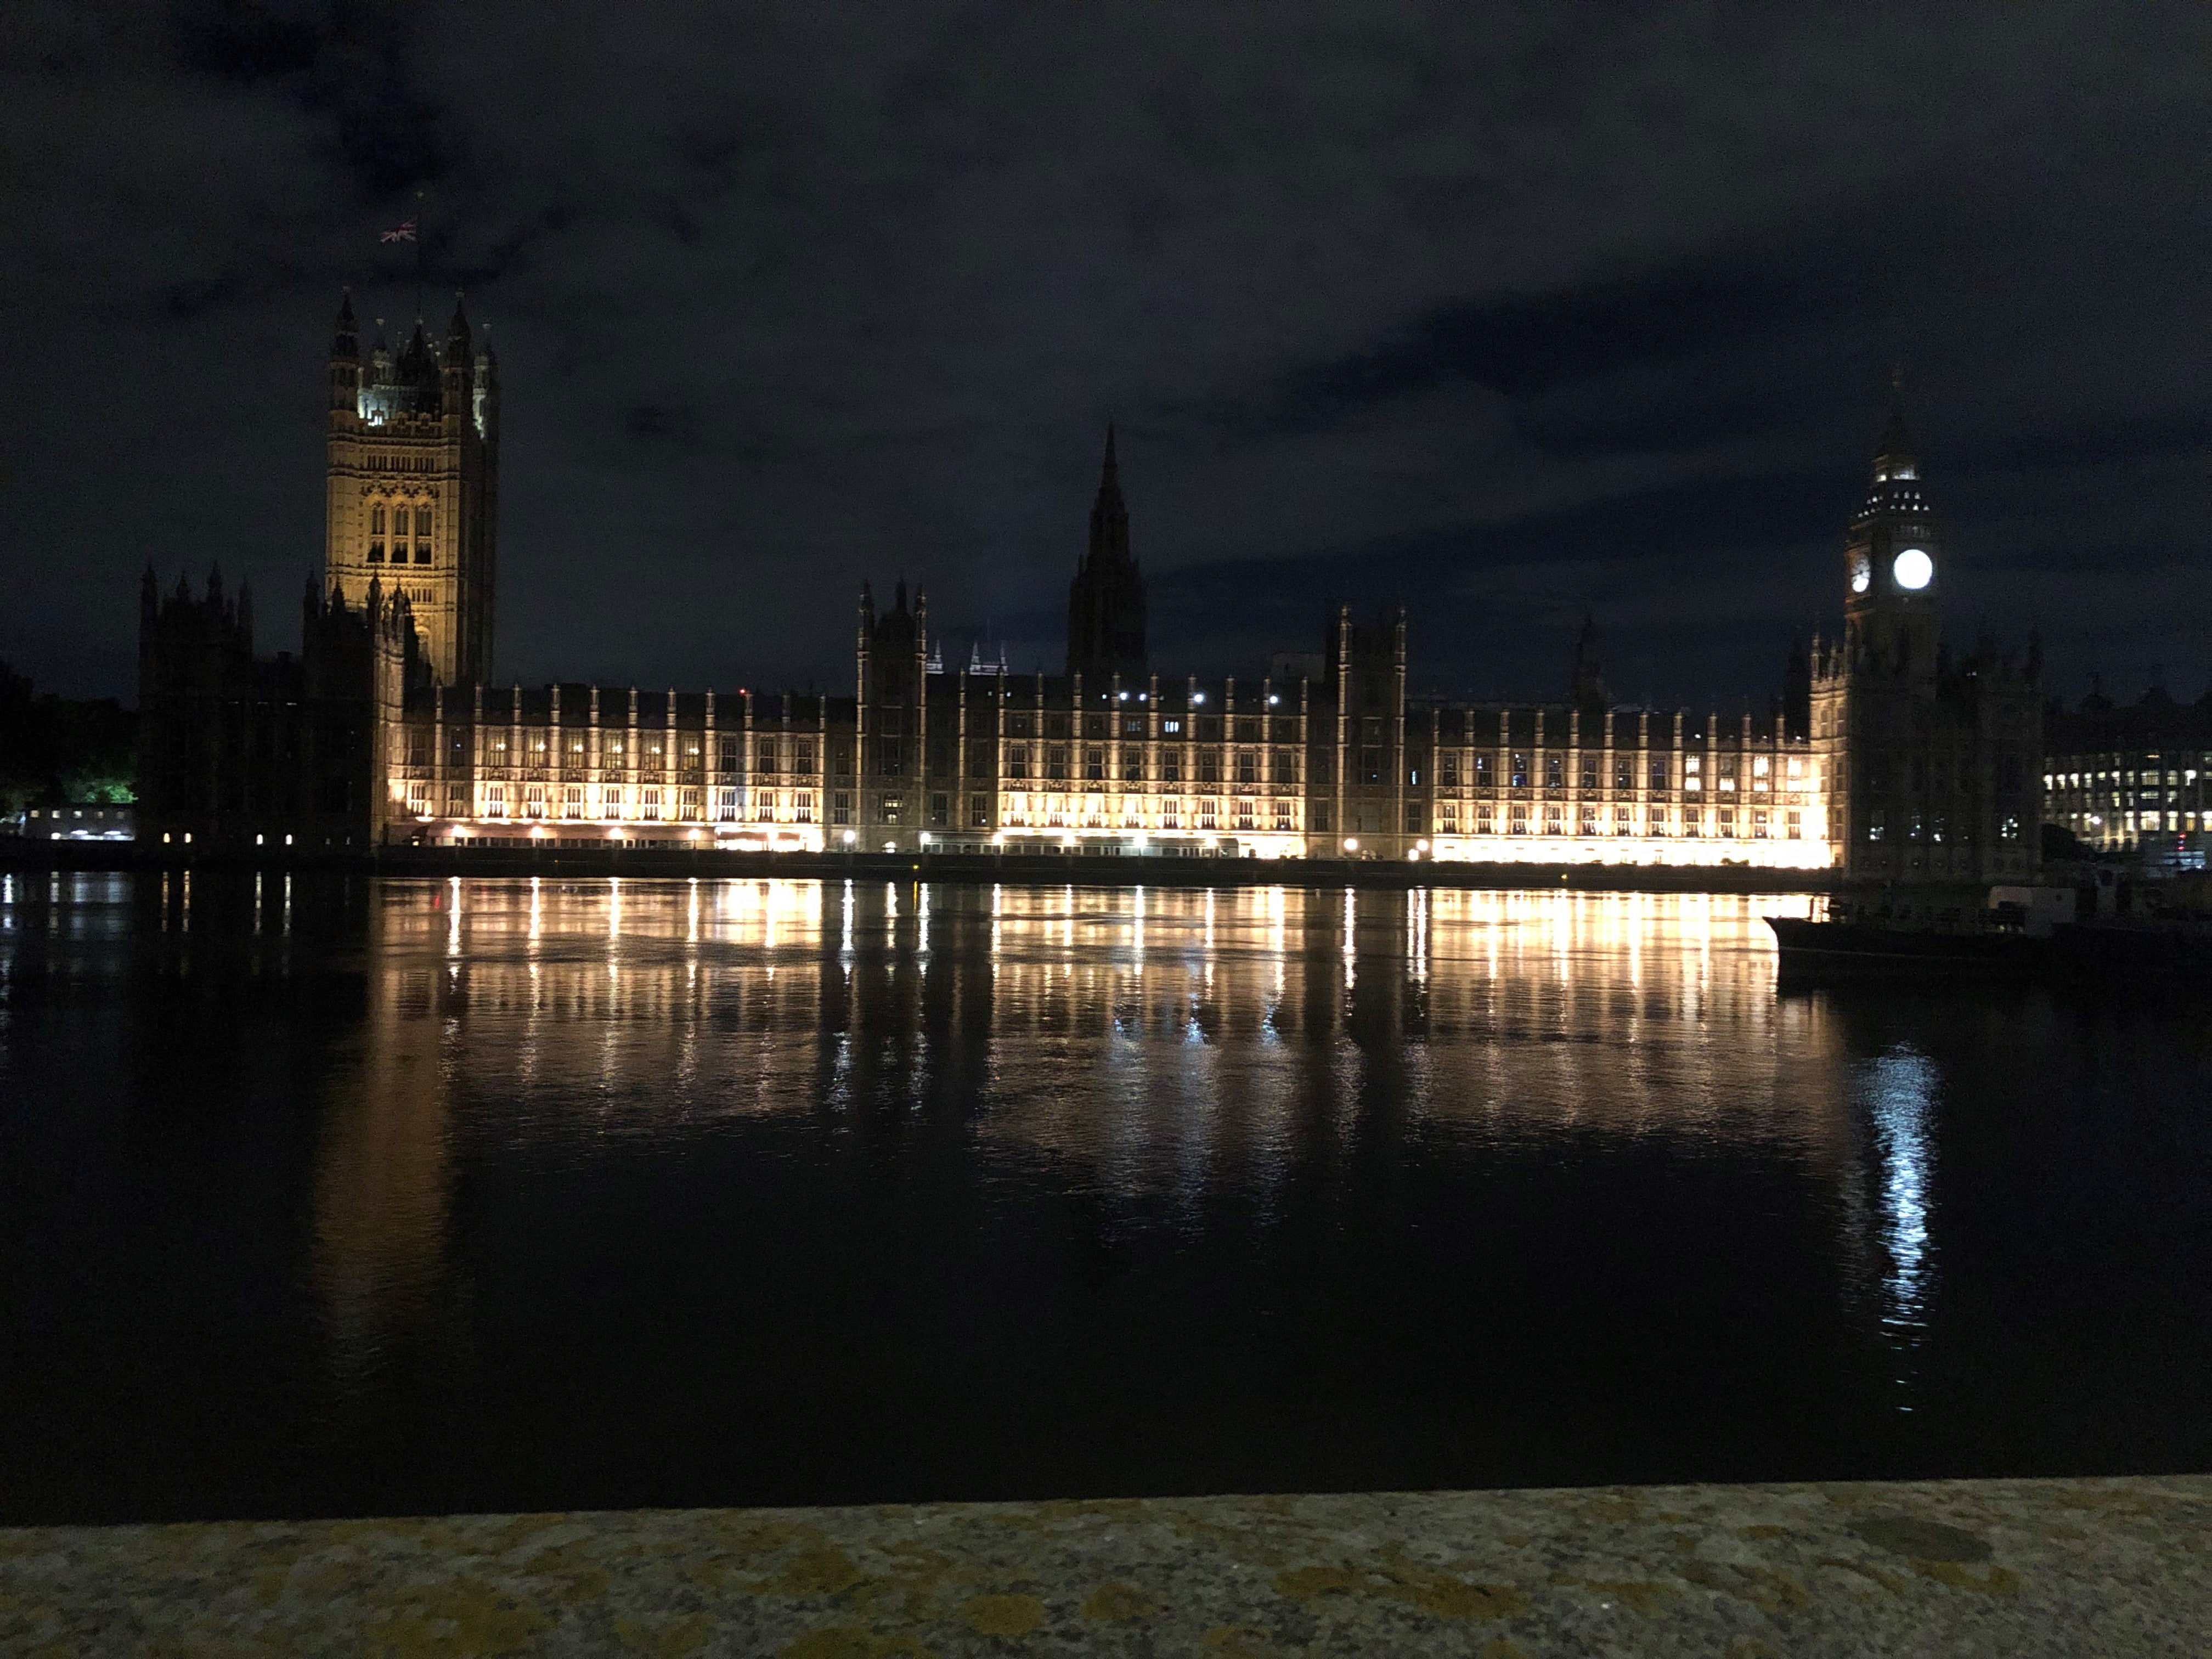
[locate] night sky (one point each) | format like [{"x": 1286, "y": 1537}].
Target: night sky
[{"x": 1505, "y": 312}]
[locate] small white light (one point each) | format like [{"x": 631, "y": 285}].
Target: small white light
[
  {"x": 1350, "y": 845},
  {"x": 1198, "y": 696},
  {"x": 1421, "y": 846},
  {"x": 1914, "y": 569},
  {"x": 1273, "y": 700},
  {"x": 1125, "y": 697},
  {"x": 850, "y": 838}
]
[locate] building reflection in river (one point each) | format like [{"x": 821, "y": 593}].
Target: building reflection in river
[{"x": 1143, "y": 1041}]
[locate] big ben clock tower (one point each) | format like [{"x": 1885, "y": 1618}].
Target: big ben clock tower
[
  {"x": 1930, "y": 765},
  {"x": 1892, "y": 567}
]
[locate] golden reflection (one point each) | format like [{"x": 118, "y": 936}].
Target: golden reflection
[{"x": 1151, "y": 1039}]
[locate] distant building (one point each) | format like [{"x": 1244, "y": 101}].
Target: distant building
[
  {"x": 2135, "y": 780},
  {"x": 1883, "y": 756}
]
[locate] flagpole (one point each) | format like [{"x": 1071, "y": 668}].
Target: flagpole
[{"x": 420, "y": 242}]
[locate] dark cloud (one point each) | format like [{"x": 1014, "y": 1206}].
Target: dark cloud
[{"x": 1508, "y": 311}]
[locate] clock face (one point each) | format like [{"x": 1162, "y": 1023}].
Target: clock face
[
  {"x": 1862, "y": 574},
  {"x": 1914, "y": 569}
]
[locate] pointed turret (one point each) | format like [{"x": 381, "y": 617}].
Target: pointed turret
[
  {"x": 1586, "y": 687},
  {"x": 1106, "y": 601}
]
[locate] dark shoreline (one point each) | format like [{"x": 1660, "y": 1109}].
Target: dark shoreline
[{"x": 1094, "y": 870}]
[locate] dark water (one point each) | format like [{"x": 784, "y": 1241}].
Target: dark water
[{"x": 416, "y": 1196}]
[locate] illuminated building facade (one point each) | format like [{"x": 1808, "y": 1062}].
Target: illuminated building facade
[
  {"x": 413, "y": 485},
  {"x": 2133, "y": 780},
  {"x": 1881, "y": 756}
]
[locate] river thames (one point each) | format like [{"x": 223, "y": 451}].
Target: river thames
[{"x": 329, "y": 1196}]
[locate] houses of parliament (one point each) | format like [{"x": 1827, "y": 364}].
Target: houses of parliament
[{"x": 1886, "y": 757}]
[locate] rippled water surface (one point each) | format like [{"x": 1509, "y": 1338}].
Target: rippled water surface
[{"x": 330, "y": 1197}]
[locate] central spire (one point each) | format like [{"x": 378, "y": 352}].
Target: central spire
[
  {"x": 1106, "y": 601},
  {"x": 1109, "y": 517}
]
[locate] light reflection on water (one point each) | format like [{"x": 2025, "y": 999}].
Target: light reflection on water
[{"x": 549, "y": 1193}]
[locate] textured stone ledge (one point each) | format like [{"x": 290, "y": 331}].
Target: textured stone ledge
[{"x": 2007, "y": 1567}]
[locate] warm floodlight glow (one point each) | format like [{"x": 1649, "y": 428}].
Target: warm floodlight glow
[
  {"x": 1913, "y": 568},
  {"x": 1350, "y": 844}
]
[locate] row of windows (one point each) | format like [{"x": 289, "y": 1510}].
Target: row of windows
[
  {"x": 1932, "y": 827},
  {"x": 1281, "y": 764},
  {"x": 399, "y": 518},
  {"x": 1518, "y": 819},
  {"x": 612, "y": 803}
]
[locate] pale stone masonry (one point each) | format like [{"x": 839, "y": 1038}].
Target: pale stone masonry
[{"x": 1968, "y": 1569}]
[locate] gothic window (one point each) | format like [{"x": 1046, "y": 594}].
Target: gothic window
[
  {"x": 1209, "y": 765},
  {"x": 730, "y": 750},
  {"x": 1589, "y": 771},
  {"x": 1017, "y": 760},
  {"x": 423, "y": 522},
  {"x": 840, "y": 807},
  {"x": 1171, "y": 766},
  {"x": 1482, "y": 771},
  {"x": 1554, "y": 769},
  {"x": 376, "y": 521},
  {"x": 1658, "y": 774},
  {"x": 940, "y": 810},
  {"x": 802, "y": 806},
  {"x": 1248, "y": 730},
  {"x": 1370, "y": 765},
  {"x": 690, "y": 800},
  {"x": 1517, "y": 769},
  {"x": 1133, "y": 765},
  {"x": 1286, "y": 766},
  {"x": 802, "y": 755},
  {"x": 611, "y": 801},
  {"x": 1322, "y": 817},
  {"x": 1094, "y": 765},
  {"x": 1056, "y": 762},
  {"x": 979, "y": 811},
  {"x": 1247, "y": 767},
  {"x": 1448, "y": 770}
]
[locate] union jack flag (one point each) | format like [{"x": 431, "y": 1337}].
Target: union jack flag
[{"x": 399, "y": 233}]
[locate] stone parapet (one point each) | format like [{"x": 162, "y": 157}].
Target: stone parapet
[{"x": 1958, "y": 1568}]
